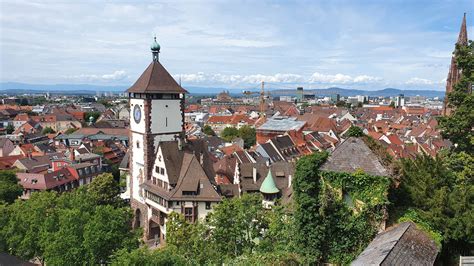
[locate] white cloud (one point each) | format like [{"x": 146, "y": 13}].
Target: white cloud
[
  {"x": 201, "y": 77},
  {"x": 419, "y": 81},
  {"x": 115, "y": 76},
  {"x": 342, "y": 79}
]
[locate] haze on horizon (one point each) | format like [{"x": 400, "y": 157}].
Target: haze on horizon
[{"x": 351, "y": 44}]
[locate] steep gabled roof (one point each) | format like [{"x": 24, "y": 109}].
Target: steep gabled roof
[
  {"x": 193, "y": 179},
  {"x": 352, "y": 155},
  {"x": 156, "y": 79},
  {"x": 403, "y": 244}
]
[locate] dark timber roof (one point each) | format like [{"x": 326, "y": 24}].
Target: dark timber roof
[
  {"x": 352, "y": 155},
  {"x": 156, "y": 79},
  {"x": 403, "y": 244}
]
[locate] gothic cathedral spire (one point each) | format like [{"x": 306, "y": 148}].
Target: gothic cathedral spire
[{"x": 454, "y": 74}]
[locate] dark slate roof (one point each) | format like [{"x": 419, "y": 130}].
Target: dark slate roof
[
  {"x": 280, "y": 171},
  {"x": 229, "y": 190},
  {"x": 156, "y": 79},
  {"x": 353, "y": 154},
  {"x": 402, "y": 244},
  {"x": 271, "y": 151}
]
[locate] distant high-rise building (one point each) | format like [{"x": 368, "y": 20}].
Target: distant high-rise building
[
  {"x": 299, "y": 94},
  {"x": 454, "y": 74}
]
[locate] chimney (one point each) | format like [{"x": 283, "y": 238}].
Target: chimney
[
  {"x": 201, "y": 158},
  {"x": 72, "y": 156},
  {"x": 254, "y": 175},
  {"x": 289, "y": 181}
]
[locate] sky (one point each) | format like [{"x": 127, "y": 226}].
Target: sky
[{"x": 233, "y": 44}]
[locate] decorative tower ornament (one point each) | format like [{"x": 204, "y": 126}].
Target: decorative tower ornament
[{"x": 155, "y": 50}]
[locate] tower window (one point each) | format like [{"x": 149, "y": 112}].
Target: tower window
[
  {"x": 166, "y": 122},
  {"x": 138, "y": 144}
]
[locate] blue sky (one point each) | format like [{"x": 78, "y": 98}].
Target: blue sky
[{"x": 235, "y": 44}]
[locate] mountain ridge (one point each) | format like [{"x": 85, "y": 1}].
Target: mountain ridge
[{"x": 21, "y": 88}]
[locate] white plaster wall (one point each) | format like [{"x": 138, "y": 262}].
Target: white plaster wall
[
  {"x": 160, "y": 164},
  {"x": 166, "y": 110}
]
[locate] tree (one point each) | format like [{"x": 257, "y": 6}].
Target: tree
[
  {"x": 103, "y": 235},
  {"x": 28, "y": 225},
  {"x": 10, "y": 129},
  {"x": 208, "y": 130},
  {"x": 104, "y": 189},
  {"x": 308, "y": 225},
  {"x": 236, "y": 223},
  {"x": 9, "y": 187},
  {"x": 354, "y": 131},
  {"x": 441, "y": 191},
  {"x": 458, "y": 126},
  {"x": 249, "y": 135},
  {"x": 229, "y": 133},
  {"x": 48, "y": 130},
  {"x": 392, "y": 104},
  {"x": 144, "y": 256}
]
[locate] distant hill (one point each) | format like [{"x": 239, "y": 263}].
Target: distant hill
[
  {"x": 352, "y": 92},
  {"x": 15, "y": 88}
]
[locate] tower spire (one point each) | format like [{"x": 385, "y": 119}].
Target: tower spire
[{"x": 462, "y": 39}]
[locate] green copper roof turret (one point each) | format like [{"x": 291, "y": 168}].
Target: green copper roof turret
[
  {"x": 155, "y": 46},
  {"x": 268, "y": 186}
]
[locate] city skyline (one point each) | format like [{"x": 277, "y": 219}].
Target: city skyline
[{"x": 234, "y": 44}]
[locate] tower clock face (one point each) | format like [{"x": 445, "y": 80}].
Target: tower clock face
[{"x": 137, "y": 113}]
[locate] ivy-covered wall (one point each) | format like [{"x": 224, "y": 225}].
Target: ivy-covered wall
[{"x": 354, "y": 205}]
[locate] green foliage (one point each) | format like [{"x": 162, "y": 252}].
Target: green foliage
[
  {"x": 458, "y": 126},
  {"x": 268, "y": 259},
  {"x": 229, "y": 133},
  {"x": 354, "y": 131},
  {"x": 308, "y": 226},
  {"x": 105, "y": 190},
  {"x": 65, "y": 229},
  {"x": 392, "y": 104},
  {"x": 234, "y": 228},
  {"x": 327, "y": 227},
  {"x": 9, "y": 187},
  {"x": 370, "y": 189},
  {"x": 237, "y": 223},
  {"x": 10, "y": 129},
  {"x": 48, "y": 130},
  {"x": 412, "y": 215},
  {"x": 144, "y": 256},
  {"x": 441, "y": 190},
  {"x": 208, "y": 130},
  {"x": 249, "y": 135}
]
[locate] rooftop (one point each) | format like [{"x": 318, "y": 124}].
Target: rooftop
[{"x": 281, "y": 123}]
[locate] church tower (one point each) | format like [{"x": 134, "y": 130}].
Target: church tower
[
  {"x": 156, "y": 115},
  {"x": 454, "y": 74}
]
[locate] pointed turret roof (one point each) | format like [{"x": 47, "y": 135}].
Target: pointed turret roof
[
  {"x": 268, "y": 186},
  {"x": 462, "y": 39},
  {"x": 156, "y": 79}
]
